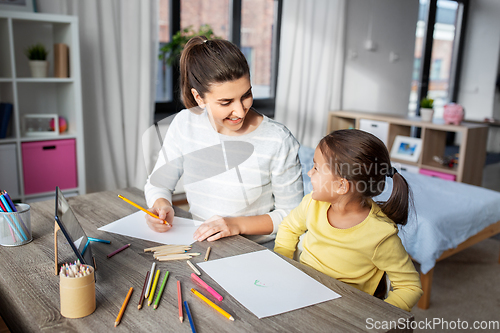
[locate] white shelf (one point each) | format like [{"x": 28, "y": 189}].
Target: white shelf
[{"x": 50, "y": 95}]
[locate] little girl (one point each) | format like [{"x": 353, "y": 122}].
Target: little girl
[
  {"x": 241, "y": 169},
  {"x": 349, "y": 236}
]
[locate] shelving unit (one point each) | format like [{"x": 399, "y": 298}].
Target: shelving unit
[
  {"x": 472, "y": 149},
  {"x": 61, "y": 96}
]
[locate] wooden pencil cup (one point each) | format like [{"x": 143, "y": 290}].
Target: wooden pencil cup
[{"x": 77, "y": 295}]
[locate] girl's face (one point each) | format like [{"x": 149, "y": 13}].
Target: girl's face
[
  {"x": 326, "y": 185},
  {"x": 228, "y": 104}
]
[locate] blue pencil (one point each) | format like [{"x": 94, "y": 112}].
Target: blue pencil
[
  {"x": 9, "y": 209},
  {"x": 98, "y": 240},
  {"x": 85, "y": 247},
  {"x": 189, "y": 317},
  {"x": 11, "y": 203}
]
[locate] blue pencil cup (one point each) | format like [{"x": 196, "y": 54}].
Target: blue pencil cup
[{"x": 15, "y": 228}]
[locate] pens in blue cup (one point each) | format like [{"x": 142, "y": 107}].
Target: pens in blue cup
[
  {"x": 14, "y": 209},
  {"x": 98, "y": 240},
  {"x": 9, "y": 209}
]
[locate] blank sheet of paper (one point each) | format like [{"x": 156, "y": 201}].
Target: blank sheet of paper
[
  {"x": 266, "y": 284},
  {"x": 134, "y": 225}
]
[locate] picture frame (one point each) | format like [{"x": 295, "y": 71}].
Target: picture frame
[
  {"x": 17, "y": 5},
  {"x": 406, "y": 148},
  {"x": 40, "y": 125}
]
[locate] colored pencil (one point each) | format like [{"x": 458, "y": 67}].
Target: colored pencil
[
  {"x": 124, "y": 305},
  {"x": 146, "y": 295},
  {"x": 193, "y": 268},
  {"x": 119, "y": 250},
  {"x": 85, "y": 247},
  {"x": 207, "y": 287},
  {"x": 179, "y": 300},
  {"x": 153, "y": 288},
  {"x": 212, "y": 304},
  {"x": 189, "y": 317},
  {"x": 141, "y": 299},
  {"x": 208, "y": 253},
  {"x": 166, "y": 247},
  {"x": 139, "y": 207},
  {"x": 161, "y": 290},
  {"x": 99, "y": 240}
]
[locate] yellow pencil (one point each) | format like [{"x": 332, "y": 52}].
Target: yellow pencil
[
  {"x": 139, "y": 207},
  {"x": 212, "y": 304},
  {"x": 153, "y": 288}
]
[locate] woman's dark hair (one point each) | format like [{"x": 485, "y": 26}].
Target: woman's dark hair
[
  {"x": 362, "y": 159},
  {"x": 204, "y": 62}
]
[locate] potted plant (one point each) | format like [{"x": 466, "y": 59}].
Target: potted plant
[
  {"x": 426, "y": 109},
  {"x": 171, "y": 51},
  {"x": 37, "y": 55}
]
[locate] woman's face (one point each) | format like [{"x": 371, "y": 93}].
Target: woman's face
[{"x": 228, "y": 104}]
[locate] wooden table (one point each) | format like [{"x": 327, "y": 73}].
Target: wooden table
[{"x": 29, "y": 290}]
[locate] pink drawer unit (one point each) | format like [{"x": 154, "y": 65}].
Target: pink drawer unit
[
  {"x": 442, "y": 175},
  {"x": 47, "y": 164}
]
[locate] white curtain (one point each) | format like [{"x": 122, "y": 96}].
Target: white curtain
[
  {"x": 118, "y": 52},
  {"x": 310, "y": 66}
]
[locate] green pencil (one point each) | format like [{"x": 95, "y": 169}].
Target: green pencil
[{"x": 161, "y": 290}]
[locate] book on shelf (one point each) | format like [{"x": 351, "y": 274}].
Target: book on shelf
[
  {"x": 61, "y": 61},
  {"x": 5, "y": 115}
]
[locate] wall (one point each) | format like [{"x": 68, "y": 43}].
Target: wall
[
  {"x": 371, "y": 81},
  {"x": 480, "y": 60}
]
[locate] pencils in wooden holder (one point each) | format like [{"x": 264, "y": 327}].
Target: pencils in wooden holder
[
  {"x": 124, "y": 306},
  {"x": 141, "y": 299}
]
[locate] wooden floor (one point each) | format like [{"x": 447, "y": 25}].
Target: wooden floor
[{"x": 3, "y": 327}]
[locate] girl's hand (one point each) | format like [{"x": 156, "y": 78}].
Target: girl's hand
[
  {"x": 217, "y": 227},
  {"x": 163, "y": 209}
]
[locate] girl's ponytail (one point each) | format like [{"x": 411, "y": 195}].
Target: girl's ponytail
[
  {"x": 398, "y": 205},
  {"x": 185, "y": 68}
]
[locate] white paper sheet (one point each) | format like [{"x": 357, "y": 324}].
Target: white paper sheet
[
  {"x": 134, "y": 225},
  {"x": 266, "y": 284}
]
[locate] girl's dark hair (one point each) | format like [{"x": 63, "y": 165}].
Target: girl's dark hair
[
  {"x": 362, "y": 159},
  {"x": 204, "y": 62}
]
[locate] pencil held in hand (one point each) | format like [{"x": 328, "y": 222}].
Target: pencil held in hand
[{"x": 144, "y": 210}]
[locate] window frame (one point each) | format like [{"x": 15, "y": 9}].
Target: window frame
[
  {"x": 457, "y": 53},
  {"x": 263, "y": 105}
]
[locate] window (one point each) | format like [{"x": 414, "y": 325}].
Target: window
[
  {"x": 438, "y": 44},
  {"x": 253, "y": 25}
]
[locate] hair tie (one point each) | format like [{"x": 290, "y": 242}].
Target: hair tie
[{"x": 392, "y": 171}]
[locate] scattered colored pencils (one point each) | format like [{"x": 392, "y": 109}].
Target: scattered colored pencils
[
  {"x": 212, "y": 304},
  {"x": 141, "y": 299},
  {"x": 161, "y": 290},
  {"x": 189, "y": 317},
  {"x": 124, "y": 305},
  {"x": 193, "y": 267},
  {"x": 146, "y": 295},
  {"x": 207, "y": 287},
  {"x": 153, "y": 288},
  {"x": 208, "y": 253},
  {"x": 139, "y": 207},
  {"x": 179, "y": 299},
  {"x": 119, "y": 250}
]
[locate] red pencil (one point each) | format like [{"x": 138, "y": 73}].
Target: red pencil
[
  {"x": 143, "y": 291},
  {"x": 116, "y": 251}
]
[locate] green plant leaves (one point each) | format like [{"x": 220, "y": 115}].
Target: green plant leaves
[{"x": 36, "y": 52}]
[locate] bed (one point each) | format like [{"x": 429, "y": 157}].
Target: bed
[{"x": 449, "y": 217}]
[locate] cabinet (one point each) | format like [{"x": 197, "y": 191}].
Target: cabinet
[
  {"x": 61, "y": 96},
  {"x": 472, "y": 137}
]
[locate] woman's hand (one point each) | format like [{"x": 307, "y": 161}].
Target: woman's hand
[
  {"x": 217, "y": 227},
  {"x": 163, "y": 209}
]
